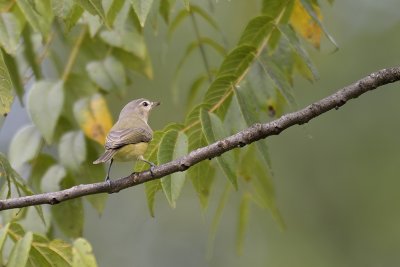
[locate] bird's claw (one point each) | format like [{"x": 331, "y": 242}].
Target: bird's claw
[
  {"x": 108, "y": 181},
  {"x": 151, "y": 169}
]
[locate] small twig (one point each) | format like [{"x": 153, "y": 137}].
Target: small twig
[{"x": 255, "y": 132}]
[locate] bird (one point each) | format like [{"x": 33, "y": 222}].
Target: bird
[{"x": 129, "y": 137}]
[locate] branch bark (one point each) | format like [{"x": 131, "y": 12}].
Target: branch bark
[{"x": 252, "y": 134}]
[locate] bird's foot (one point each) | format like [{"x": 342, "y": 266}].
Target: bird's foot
[
  {"x": 151, "y": 169},
  {"x": 108, "y": 181}
]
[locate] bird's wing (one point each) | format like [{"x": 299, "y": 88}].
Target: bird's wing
[{"x": 119, "y": 138}]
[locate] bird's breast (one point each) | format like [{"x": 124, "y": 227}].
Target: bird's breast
[{"x": 130, "y": 152}]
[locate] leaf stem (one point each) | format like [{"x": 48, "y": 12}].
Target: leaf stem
[
  {"x": 74, "y": 53},
  {"x": 201, "y": 46}
]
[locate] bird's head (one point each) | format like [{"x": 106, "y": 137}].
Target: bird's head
[{"x": 139, "y": 107}]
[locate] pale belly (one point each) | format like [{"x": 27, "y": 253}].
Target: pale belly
[{"x": 130, "y": 152}]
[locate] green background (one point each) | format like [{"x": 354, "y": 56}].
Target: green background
[{"x": 336, "y": 178}]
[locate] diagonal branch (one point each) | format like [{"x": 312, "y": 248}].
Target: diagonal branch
[{"x": 255, "y": 132}]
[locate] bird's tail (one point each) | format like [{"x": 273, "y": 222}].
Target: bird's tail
[{"x": 105, "y": 157}]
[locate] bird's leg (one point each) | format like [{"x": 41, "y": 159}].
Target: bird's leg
[
  {"x": 108, "y": 173},
  {"x": 152, "y": 165}
]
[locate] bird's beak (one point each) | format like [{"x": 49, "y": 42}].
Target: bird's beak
[{"x": 155, "y": 104}]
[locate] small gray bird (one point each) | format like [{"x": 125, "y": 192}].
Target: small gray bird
[{"x": 129, "y": 137}]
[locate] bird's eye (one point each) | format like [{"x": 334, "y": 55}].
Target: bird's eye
[{"x": 145, "y": 103}]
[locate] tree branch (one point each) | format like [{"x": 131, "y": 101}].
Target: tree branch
[{"x": 255, "y": 132}]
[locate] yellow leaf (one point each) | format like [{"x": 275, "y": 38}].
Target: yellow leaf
[
  {"x": 93, "y": 117},
  {"x": 305, "y": 25}
]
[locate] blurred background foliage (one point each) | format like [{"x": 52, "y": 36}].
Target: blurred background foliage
[{"x": 216, "y": 67}]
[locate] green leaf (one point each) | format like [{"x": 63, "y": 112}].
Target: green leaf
[
  {"x": 45, "y": 102},
  {"x": 69, "y": 215},
  {"x": 142, "y": 9},
  {"x": 10, "y": 31},
  {"x": 250, "y": 168},
  {"x": 177, "y": 21},
  {"x": 7, "y": 173},
  {"x": 62, "y": 8},
  {"x": 165, "y": 10},
  {"x": 94, "y": 7},
  {"x": 44, "y": 253},
  {"x": 202, "y": 41},
  {"x": 123, "y": 40},
  {"x": 152, "y": 187},
  {"x": 20, "y": 252},
  {"x": 39, "y": 166},
  {"x": 29, "y": 54},
  {"x": 259, "y": 177},
  {"x": 52, "y": 178},
  {"x": 73, "y": 17},
  {"x": 186, "y": 4},
  {"x": 193, "y": 46},
  {"x": 258, "y": 83},
  {"x": 20, "y": 185},
  {"x": 274, "y": 40},
  {"x": 3, "y": 236},
  {"x": 82, "y": 254},
  {"x": 12, "y": 67},
  {"x": 16, "y": 232},
  {"x": 256, "y": 31},
  {"x": 134, "y": 63},
  {"x": 213, "y": 130},
  {"x": 38, "y": 13},
  {"x": 202, "y": 176},
  {"x": 243, "y": 221},
  {"x": 237, "y": 61},
  {"x": 194, "y": 90},
  {"x": 69, "y": 11},
  {"x": 273, "y": 8},
  {"x": 6, "y": 96},
  {"x": 24, "y": 146},
  {"x": 109, "y": 74},
  {"x": 219, "y": 94},
  {"x": 289, "y": 33},
  {"x": 72, "y": 150},
  {"x": 216, "y": 219},
  {"x": 92, "y": 173},
  {"x": 94, "y": 23},
  {"x": 230, "y": 73},
  {"x": 279, "y": 78},
  {"x": 173, "y": 145},
  {"x": 76, "y": 88},
  {"x": 198, "y": 10},
  {"x": 113, "y": 10},
  {"x": 64, "y": 124},
  {"x": 246, "y": 101},
  {"x": 194, "y": 131}
]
